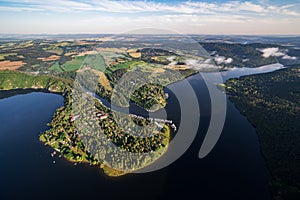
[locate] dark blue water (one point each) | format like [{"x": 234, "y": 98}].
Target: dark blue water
[{"x": 235, "y": 169}]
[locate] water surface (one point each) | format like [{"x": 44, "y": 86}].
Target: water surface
[{"x": 235, "y": 169}]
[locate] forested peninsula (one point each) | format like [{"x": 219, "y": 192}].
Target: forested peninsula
[{"x": 63, "y": 136}]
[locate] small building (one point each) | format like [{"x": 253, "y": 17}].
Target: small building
[
  {"x": 99, "y": 114},
  {"x": 73, "y": 118},
  {"x": 103, "y": 116}
]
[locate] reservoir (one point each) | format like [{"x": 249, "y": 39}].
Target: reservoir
[{"x": 234, "y": 169}]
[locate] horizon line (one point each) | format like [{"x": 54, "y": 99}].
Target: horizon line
[{"x": 211, "y": 34}]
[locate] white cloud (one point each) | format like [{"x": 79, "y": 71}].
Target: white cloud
[
  {"x": 222, "y": 60},
  {"x": 208, "y": 61},
  {"x": 192, "y": 62},
  {"x": 228, "y": 61},
  {"x": 275, "y": 52},
  {"x": 200, "y": 65},
  {"x": 115, "y": 16},
  {"x": 268, "y": 52},
  {"x": 208, "y": 64},
  {"x": 19, "y": 9},
  {"x": 219, "y": 59},
  {"x": 126, "y": 6},
  {"x": 287, "y": 57}
]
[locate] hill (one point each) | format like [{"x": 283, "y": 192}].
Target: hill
[{"x": 271, "y": 102}]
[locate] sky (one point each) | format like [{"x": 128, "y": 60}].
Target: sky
[{"x": 252, "y": 17}]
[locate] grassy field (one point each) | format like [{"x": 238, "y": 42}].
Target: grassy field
[
  {"x": 56, "y": 68},
  {"x": 74, "y": 64},
  {"x": 2, "y": 56},
  {"x": 95, "y": 62},
  {"x": 129, "y": 65},
  {"x": 104, "y": 81},
  {"x": 92, "y": 61},
  {"x": 121, "y": 66}
]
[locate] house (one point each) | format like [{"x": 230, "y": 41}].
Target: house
[
  {"x": 103, "y": 117},
  {"x": 73, "y": 118}
]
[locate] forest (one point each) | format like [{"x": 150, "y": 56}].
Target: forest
[
  {"x": 271, "y": 102},
  {"x": 19, "y": 80}
]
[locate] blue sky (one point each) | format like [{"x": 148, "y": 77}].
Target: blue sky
[{"x": 119, "y": 16}]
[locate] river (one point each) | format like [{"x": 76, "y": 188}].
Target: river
[{"x": 235, "y": 169}]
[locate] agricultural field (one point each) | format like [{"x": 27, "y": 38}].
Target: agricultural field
[
  {"x": 74, "y": 64},
  {"x": 55, "y": 67},
  {"x": 4, "y": 55},
  {"x": 8, "y": 65}
]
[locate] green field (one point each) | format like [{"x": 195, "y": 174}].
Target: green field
[
  {"x": 56, "y": 68},
  {"x": 131, "y": 64},
  {"x": 77, "y": 62},
  {"x": 95, "y": 62},
  {"x": 126, "y": 65},
  {"x": 2, "y": 56},
  {"x": 74, "y": 64}
]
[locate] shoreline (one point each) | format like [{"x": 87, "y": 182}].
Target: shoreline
[
  {"x": 65, "y": 93},
  {"x": 105, "y": 168},
  {"x": 111, "y": 172},
  {"x": 12, "y": 92},
  {"x": 263, "y": 154},
  {"x": 280, "y": 186}
]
